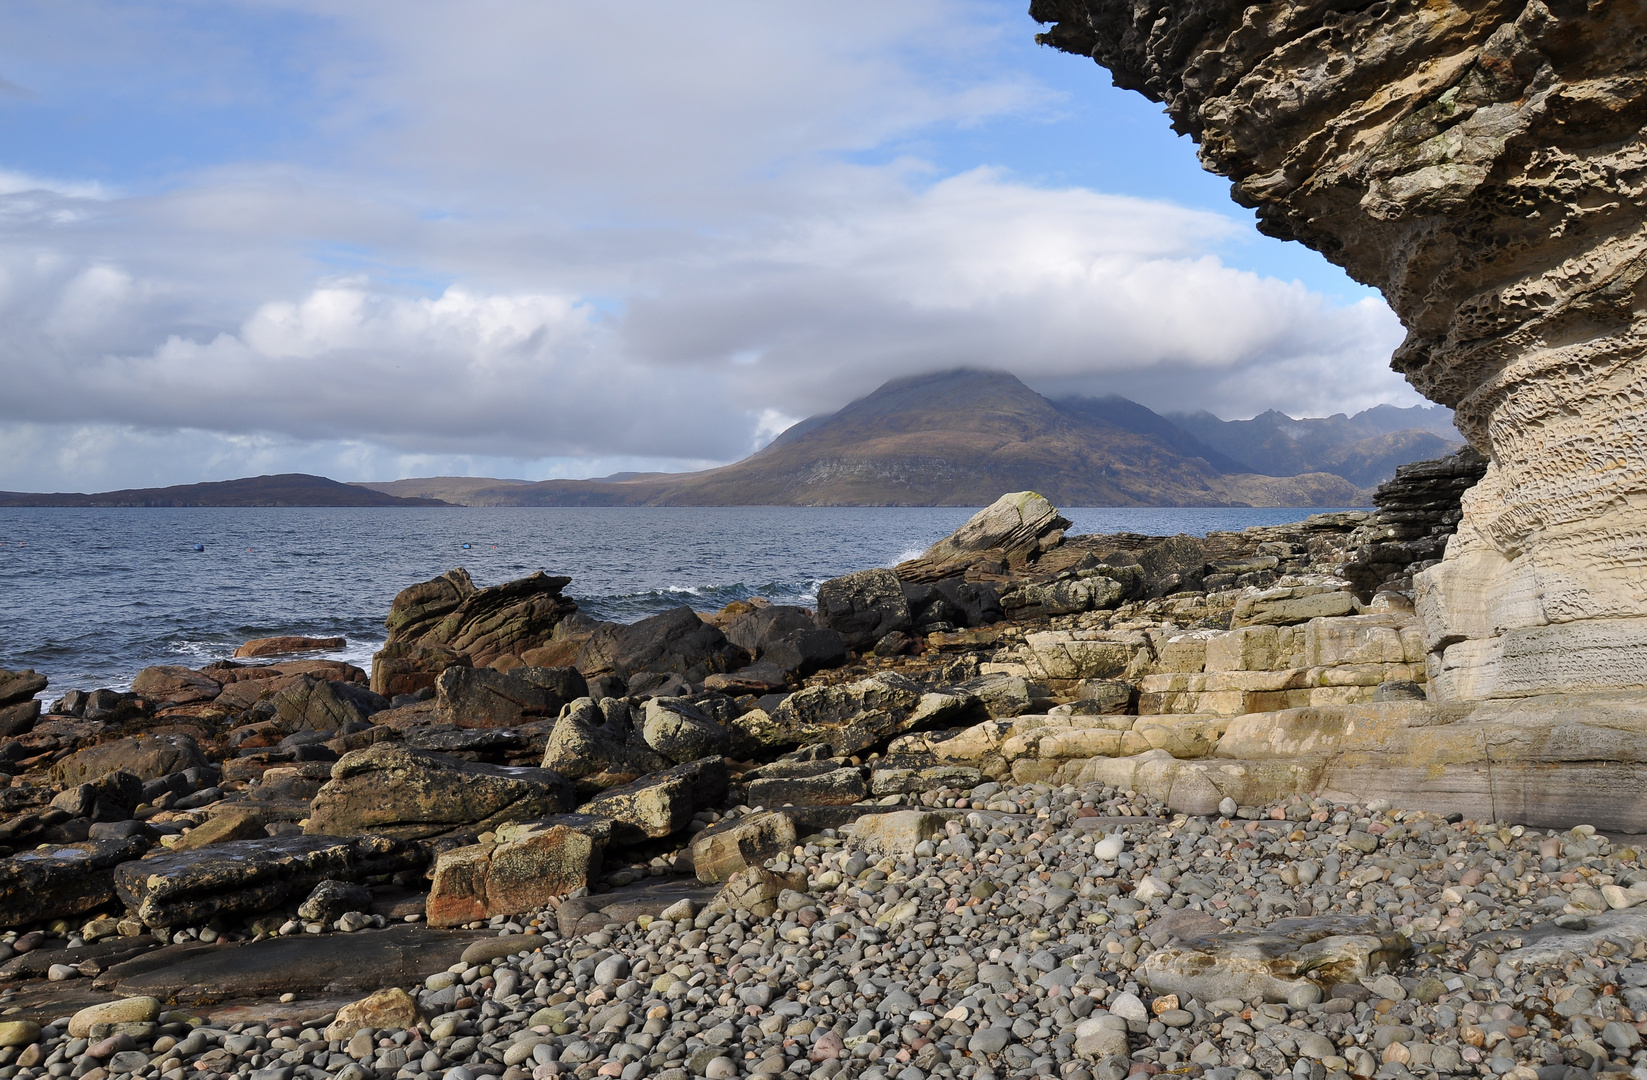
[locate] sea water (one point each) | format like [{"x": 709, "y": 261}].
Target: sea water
[{"x": 90, "y": 596}]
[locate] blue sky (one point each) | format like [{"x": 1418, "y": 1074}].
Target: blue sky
[{"x": 536, "y": 239}]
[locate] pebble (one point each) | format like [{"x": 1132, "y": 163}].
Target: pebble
[{"x": 1018, "y": 954}]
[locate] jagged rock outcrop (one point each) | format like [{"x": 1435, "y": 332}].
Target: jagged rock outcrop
[
  {"x": 446, "y": 621},
  {"x": 1009, "y": 532},
  {"x": 1418, "y": 512},
  {"x": 1482, "y": 162}
]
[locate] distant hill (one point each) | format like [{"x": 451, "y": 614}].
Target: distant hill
[
  {"x": 957, "y": 438},
  {"x": 1364, "y": 448},
  {"x": 285, "y": 489}
]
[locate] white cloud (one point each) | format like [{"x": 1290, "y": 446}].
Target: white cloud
[{"x": 560, "y": 239}]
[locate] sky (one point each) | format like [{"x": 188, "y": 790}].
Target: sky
[{"x": 529, "y": 239}]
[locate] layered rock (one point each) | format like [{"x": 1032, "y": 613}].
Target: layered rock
[
  {"x": 1481, "y": 163},
  {"x": 1418, "y": 513},
  {"x": 1013, "y": 530},
  {"x": 446, "y": 620}
]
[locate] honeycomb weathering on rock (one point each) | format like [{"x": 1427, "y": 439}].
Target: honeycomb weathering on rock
[{"x": 1483, "y": 164}]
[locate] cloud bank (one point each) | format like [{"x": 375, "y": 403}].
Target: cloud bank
[{"x": 558, "y": 240}]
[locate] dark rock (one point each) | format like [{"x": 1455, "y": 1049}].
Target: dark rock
[
  {"x": 837, "y": 787},
  {"x": 305, "y": 965},
  {"x": 243, "y": 876},
  {"x": 754, "y": 631},
  {"x": 661, "y": 803},
  {"x": 472, "y": 744},
  {"x": 330, "y": 899},
  {"x": 18, "y": 719},
  {"x": 146, "y": 757},
  {"x": 1417, "y": 512},
  {"x": 18, "y": 686},
  {"x": 394, "y": 790},
  {"x": 484, "y": 624},
  {"x": 60, "y": 882},
  {"x": 112, "y": 797},
  {"x": 806, "y": 652},
  {"x": 72, "y": 703},
  {"x": 863, "y": 607},
  {"x": 310, "y": 704},
  {"x": 676, "y": 642},
  {"x": 484, "y": 697},
  {"x": 758, "y": 678},
  {"x": 1175, "y": 564},
  {"x": 977, "y": 602}
]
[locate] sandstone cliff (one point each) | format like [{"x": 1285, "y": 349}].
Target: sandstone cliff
[{"x": 1482, "y": 163}]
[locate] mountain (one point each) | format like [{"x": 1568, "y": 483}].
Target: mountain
[
  {"x": 956, "y": 438},
  {"x": 286, "y": 489},
  {"x": 1364, "y": 448}
]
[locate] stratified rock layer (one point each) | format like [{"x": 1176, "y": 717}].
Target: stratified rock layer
[{"x": 1482, "y": 162}]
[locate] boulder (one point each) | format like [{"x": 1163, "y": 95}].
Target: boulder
[
  {"x": 754, "y": 631},
  {"x": 331, "y": 899},
  {"x": 756, "y": 890},
  {"x": 883, "y": 782},
  {"x": 484, "y": 697},
  {"x": 800, "y": 653},
  {"x": 282, "y": 646},
  {"x": 131, "y": 1010},
  {"x": 675, "y": 642},
  {"x": 1084, "y": 591},
  {"x": 18, "y": 719},
  {"x": 681, "y": 732},
  {"x": 406, "y": 667},
  {"x": 729, "y": 847},
  {"x": 1014, "y": 529},
  {"x": 855, "y": 716},
  {"x": 837, "y": 787},
  {"x": 59, "y": 882},
  {"x": 396, "y": 791},
  {"x": 1000, "y": 694},
  {"x": 529, "y": 864},
  {"x": 485, "y": 624},
  {"x": 309, "y": 704},
  {"x": 863, "y": 607},
  {"x": 392, "y": 1009},
  {"x": 898, "y": 833},
  {"x": 187, "y": 888},
  {"x": 763, "y": 677},
  {"x": 147, "y": 757},
  {"x": 596, "y": 746},
  {"x": 175, "y": 685},
  {"x": 1174, "y": 565},
  {"x": 977, "y": 602},
  {"x": 661, "y": 803},
  {"x": 1271, "y": 964},
  {"x": 1289, "y": 606},
  {"x": 20, "y": 686},
  {"x": 112, "y": 797},
  {"x": 225, "y": 826}
]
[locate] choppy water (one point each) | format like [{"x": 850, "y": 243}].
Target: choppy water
[{"x": 90, "y": 596}]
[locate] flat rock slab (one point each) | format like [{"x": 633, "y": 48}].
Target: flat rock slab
[
  {"x": 107, "y": 953},
  {"x": 43, "y": 1002},
  {"x": 307, "y": 965},
  {"x": 586, "y": 914},
  {"x": 1545, "y": 942}
]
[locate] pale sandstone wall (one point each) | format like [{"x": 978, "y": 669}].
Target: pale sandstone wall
[{"x": 1482, "y": 162}]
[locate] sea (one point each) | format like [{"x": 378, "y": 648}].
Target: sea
[{"x": 89, "y": 596}]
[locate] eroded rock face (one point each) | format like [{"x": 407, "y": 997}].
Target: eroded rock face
[{"x": 1482, "y": 163}]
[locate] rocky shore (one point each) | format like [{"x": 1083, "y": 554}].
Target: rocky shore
[{"x": 1029, "y": 805}]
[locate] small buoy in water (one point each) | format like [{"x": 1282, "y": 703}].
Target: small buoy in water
[
  {"x": 465, "y": 547},
  {"x": 200, "y": 547}
]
